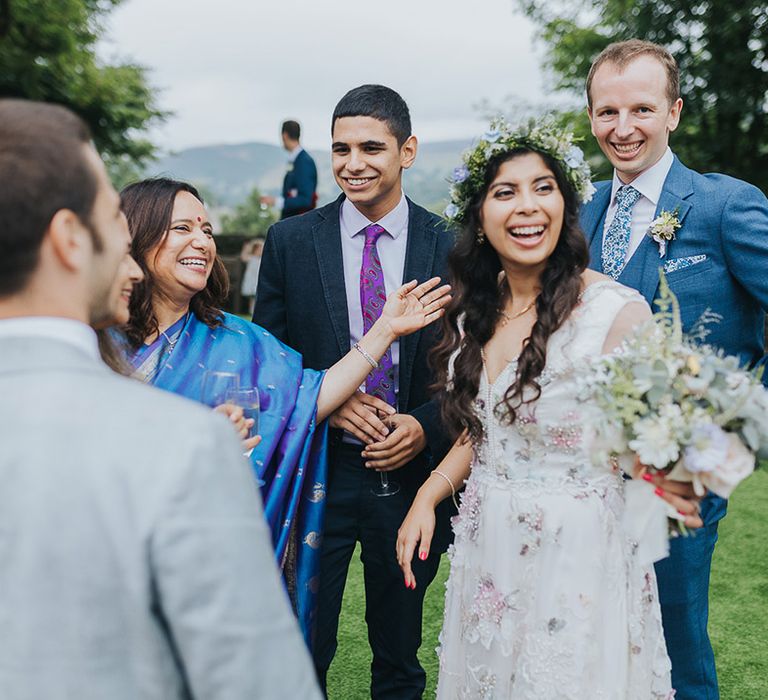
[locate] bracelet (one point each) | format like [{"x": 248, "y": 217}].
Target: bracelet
[
  {"x": 450, "y": 483},
  {"x": 368, "y": 358}
]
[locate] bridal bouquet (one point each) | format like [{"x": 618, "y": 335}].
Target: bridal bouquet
[{"x": 682, "y": 407}]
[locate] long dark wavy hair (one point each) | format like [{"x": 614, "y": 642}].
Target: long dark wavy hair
[
  {"x": 148, "y": 205},
  {"x": 477, "y": 301}
]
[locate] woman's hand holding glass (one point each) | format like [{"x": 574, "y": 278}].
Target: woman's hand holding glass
[
  {"x": 222, "y": 392},
  {"x": 243, "y": 426}
]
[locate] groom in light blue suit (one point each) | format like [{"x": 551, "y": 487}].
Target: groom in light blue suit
[{"x": 716, "y": 259}]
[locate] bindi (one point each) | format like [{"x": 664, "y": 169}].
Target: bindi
[{"x": 199, "y": 219}]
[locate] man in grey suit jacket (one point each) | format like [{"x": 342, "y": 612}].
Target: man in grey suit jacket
[
  {"x": 136, "y": 562},
  {"x": 717, "y": 259}
]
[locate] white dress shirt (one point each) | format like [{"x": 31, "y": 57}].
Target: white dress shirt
[
  {"x": 649, "y": 184},
  {"x": 66, "y": 330},
  {"x": 391, "y": 248}
]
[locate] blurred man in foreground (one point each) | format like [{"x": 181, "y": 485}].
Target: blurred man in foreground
[{"x": 136, "y": 562}]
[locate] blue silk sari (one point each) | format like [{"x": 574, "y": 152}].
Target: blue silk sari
[{"x": 291, "y": 459}]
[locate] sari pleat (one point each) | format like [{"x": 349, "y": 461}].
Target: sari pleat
[{"x": 291, "y": 459}]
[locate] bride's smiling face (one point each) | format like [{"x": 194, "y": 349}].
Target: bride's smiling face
[{"x": 522, "y": 214}]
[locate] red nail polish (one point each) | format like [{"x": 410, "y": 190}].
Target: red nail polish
[
  {"x": 413, "y": 586},
  {"x": 680, "y": 511},
  {"x": 647, "y": 477},
  {"x": 659, "y": 491},
  {"x": 422, "y": 556},
  {"x": 407, "y": 585}
]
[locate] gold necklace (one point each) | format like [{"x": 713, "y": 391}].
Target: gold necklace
[{"x": 522, "y": 312}]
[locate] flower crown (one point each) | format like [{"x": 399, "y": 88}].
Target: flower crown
[{"x": 543, "y": 135}]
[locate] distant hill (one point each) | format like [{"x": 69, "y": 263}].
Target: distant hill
[{"x": 227, "y": 173}]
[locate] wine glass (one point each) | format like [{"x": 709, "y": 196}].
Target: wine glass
[
  {"x": 217, "y": 386},
  {"x": 385, "y": 487}
]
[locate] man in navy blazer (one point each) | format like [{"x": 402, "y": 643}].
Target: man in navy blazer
[
  {"x": 300, "y": 183},
  {"x": 717, "y": 260},
  {"x": 310, "y": 298}
]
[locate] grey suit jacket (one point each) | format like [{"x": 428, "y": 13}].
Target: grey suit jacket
[{"x": 135, "y": 562}]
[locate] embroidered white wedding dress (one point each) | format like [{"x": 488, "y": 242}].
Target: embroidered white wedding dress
[{"x": 544, "y": 600}]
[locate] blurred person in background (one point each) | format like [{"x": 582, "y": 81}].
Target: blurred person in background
[
  {"x": 300, "y": 183},
  {"x": 251, "y": 256}
]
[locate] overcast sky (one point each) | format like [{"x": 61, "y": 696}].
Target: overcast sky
[{"x": 232, "y": 70}]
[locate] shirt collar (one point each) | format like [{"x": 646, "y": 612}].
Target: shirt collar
[
  {"x": 292, "y": 155},
  {"x": 65, "y": 330},
  {"x": 650, "y": 182},
  {"x": 394, "y": 223}
]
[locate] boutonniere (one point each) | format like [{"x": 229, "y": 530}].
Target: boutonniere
[{"x": 663, "y": 229}]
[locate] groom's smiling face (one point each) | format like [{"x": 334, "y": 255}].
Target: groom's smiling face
[
  {"x": 368, "y": 163},
  {"x": 631, "y": 114}
]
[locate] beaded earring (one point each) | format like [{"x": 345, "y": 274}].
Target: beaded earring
[{"x": 480, "y": 236}]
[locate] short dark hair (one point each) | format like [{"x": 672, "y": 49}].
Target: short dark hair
[
  {"x": 292, "y": 129},
  {"x": 622, "y": 53},
  {"x": 379, "y": 102},
  {"x": 148, "y": 206},
  {"x": 43, "y": 169}
]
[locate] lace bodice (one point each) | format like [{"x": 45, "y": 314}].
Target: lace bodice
[{"x": 553, "y": 436}]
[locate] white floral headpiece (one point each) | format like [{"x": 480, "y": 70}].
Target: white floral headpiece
[{"x": 543, "y": 135}]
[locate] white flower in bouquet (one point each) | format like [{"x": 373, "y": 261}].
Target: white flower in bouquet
[
  {"x": 707, "y": 448},
  {"x": 657, "y": 437}
]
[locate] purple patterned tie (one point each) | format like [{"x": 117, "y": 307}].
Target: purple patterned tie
[{"x": 381, "y": 381}]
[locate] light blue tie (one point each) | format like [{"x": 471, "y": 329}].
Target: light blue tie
[{"x": 616, "y": 238}]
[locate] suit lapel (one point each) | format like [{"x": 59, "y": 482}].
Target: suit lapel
[
  {"x": 327, "y": 240},
  {"x": 419, "y": 263},
  {"x": 677, "y": 187},
  {"x": 592, "y": 222}
]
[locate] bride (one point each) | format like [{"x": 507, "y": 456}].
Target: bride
[{"x": 544, "y": 598}]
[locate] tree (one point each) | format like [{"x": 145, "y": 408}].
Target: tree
[
  {"x": 47, "y": 52},
  {"x": 251, "y": 217},
  {"x": 721, "y": 48}
]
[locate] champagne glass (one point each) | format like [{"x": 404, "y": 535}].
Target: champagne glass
[
  {"x": 385, "y": 487},
  {"x": 247, "y": 397},
  {"x": 217, "y": 386}
]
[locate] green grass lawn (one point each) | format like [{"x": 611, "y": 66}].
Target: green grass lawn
[{"x": 738, "y": 622}]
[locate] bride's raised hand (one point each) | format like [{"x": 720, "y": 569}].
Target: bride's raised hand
[
  {"x": 417, "y": 528},
  {"x": 414, "y": 306}
]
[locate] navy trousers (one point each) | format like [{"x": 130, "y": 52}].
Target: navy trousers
[
  {"x": 683, "y": 580},
  {"x": 393, "y": 613}
]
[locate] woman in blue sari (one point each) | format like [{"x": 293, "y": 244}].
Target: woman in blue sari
[{"x": 177, "y": 331}]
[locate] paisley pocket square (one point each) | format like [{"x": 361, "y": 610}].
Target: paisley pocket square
[{"x": 681, "y": 263}]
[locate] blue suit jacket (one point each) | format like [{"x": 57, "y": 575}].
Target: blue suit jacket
[
  {"x": 299, "y": 186},
  {"x": 724, "y": 233},
  {"x": 302, "y": 301}
]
